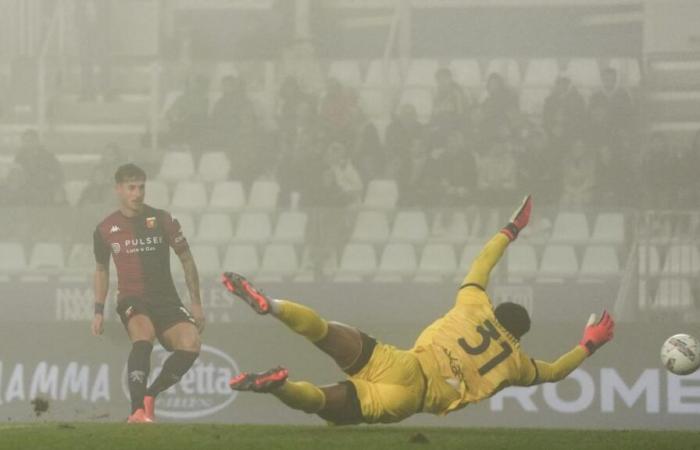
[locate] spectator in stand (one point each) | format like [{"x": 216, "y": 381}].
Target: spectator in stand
[
  {"x": 401, "y": 134},
  {"x": 610, "y": 108},
  {"x": 13, "y": 190},
  {"x": 229, "y": 111},
  {"x": 42, "y": 171},
  {"x": 565, "y": 108},
  {"x": 367, "y": 153},
  {"x": 335, "y": 112},
  {"x": 579, "y": 175},
  {"x": 496, "y": 173},
  {"x": 539, "y": 168},
  {"x": 450, "y": 105},
  {"x": 451, "y": 171},
  {"x": 341, "y": 178},
  {"x": 298, "y": 173},
  {"x": 291, "y": 98},
  {"x": 666, "y": 175},
  {"x": 494, "y": 108},
  {"x": 100, "y": 190},
  {"x": 413, "y": 181},
  {"x": 188, "y": 116}
]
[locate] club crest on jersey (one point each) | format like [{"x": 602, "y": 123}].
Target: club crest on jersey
[
  {"x": 150, "y": 223},
  {"x": 116, "y": 248},
  {"x": 114, "y": 229}
]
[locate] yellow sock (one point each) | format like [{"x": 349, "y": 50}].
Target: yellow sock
[
  {"x": 302, "y": 320},
  {"x": 301, "y": 395},
  {"x": 488, "y": 257}
]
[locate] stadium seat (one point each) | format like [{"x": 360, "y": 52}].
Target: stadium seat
[
  {"x": 374, "y": 103},
  {"x": 370, "y": 226},
  {"x": 357, "y": 261},
  {"x": 207, "y": 258},
  {"x": 263, "y": 195},
  {"x": 649, "y": 261},
  {"x": 410, "y": 226},
  {"x": 421, "y": 99},
  {"x": 291, "y": 227},
  {"x": 508, "y": 69},
  {"x": 558, "y": 261},
  {"x": 214, "y": 166},
  {"x": 81, "y": 257},
  {"x": 673, "y": 294},
  {"x": 346, "y": 71},
  {"x": 190, "y": 196},
  {"x": 397, "y": 262},
  {"x": 521, "y": 261},
  {"x": 421, "y": 73},
  {"x": 279, "y": 261},
  {"x": 46, "y": 255},
  {"x": 532, "y": 100},
  {"x": 454, "y": 230},
  {"x": 600, "y": 261},
  {"x": 187, "y": 224},
  {"x": 381, "y": 194},
  {"x": 466, "y": 72},
  {"x": 628, "y": 71},
  {"x": 437, "y": 261},
  {"x": 227, "y": 196},
  {"x": 12, "y": 257},
  {"x": 609, "y": 228},
  {"x": 380, "y": 72},
  {"x": 243, "y": 259},
  {"x": 214, "y": 228},
  {"x": 584, "y": 73},
  {"x": 570, "y": 227},
  {"x": 176, "y": 166},
  {"x": 157, "y": 194},
  {"x": 74, "y": 191},
  {"x": 253, "y": 227},
  {"x": 541, "y": 73},
  {"x": 682, "y": 259}
]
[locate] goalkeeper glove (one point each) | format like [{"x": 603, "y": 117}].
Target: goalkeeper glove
[
  {"x": 519, "y": 219},
  {"x": 595, "y": 335}
]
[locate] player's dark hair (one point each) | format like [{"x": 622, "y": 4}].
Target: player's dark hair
[
  {"x": 129, "y": 172},
  {"x": 514, "y": 318}
]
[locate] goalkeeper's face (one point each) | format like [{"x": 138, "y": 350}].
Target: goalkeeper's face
[{"x": 131, "y": 194}]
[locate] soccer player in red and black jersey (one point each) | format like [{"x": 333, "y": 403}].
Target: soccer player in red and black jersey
[{"x": 138, "y": 238}]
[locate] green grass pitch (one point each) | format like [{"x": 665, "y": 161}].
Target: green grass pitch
[{"x": 75, "y": 436}]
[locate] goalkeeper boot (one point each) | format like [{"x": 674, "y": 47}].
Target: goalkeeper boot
[
  {"x": 262, "y": 382},
  {"x": 241, "y": 288},
  {"x": 519, "y": 220},
  {"x": 149, "y": 407}
]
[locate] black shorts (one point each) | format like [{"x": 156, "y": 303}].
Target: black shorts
[{"x": 163, "y": 315}]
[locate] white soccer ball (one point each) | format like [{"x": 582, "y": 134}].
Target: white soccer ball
[{"x": 680, "y": 354}]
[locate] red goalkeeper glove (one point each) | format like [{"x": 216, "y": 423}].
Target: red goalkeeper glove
[
  {"x": 519, "y": 220},
  {"x": 595, "y": 335}
]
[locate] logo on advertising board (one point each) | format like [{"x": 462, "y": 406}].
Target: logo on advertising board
[{"x": 201, "y": 392}]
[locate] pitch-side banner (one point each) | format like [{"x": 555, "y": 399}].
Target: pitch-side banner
[{"x": 83, "y": 377}]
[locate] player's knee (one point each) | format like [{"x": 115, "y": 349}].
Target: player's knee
[{"x": 191, "y": 344}]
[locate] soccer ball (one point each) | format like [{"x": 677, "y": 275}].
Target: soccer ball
[{"x": 680, "y": 354}]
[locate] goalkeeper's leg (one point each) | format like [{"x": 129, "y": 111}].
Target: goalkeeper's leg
[{"x": 489, "y": 256}]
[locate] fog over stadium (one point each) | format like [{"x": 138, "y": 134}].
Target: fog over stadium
[{"x": 354, "y": 156}]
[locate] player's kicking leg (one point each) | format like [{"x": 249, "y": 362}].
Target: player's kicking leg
[
  {"x": 142, "y": 334},
  {"x": 480, "y": 269},
  {"x": 349, "y": 347}
]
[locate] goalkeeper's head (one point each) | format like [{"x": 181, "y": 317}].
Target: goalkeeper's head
[{"x": 514, "y": 318}]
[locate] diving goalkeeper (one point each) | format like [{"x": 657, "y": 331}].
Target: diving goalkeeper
[{"x": 466, "y": 356}]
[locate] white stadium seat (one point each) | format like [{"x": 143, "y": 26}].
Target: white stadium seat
[
  {"x": 421, "y": 73},
  {"x": 467, "y": 72},
  {"x": 81, "y": 257},
  {"x": 558, "y": 261},
  {"x": 263, "y": 195},
  {"x": 207, "y": 258},
  {"x": 46, "y": 255},
  {"x": 649, "y": 261},
  {"x": 570, "y": 227},
  {"x": 600, "y": 261},
  {"x": 397, "y": 261},
  {"x": 437, "y": 261},
  {"x": 374, "y": 102},
  {"x": 345, "y": 71},
  {"x": 214, "y": 166},
  {"x": 522, "y": 261},
  {"x": 177, "y": 166},
  {"x": 242, "y": 258},
  {"x": 227, "y": 196},
  {"x": 673, "y": 294},
  {"x": 541, "y": 73},
  {"x": 291, "y": 227},
  {"x": 371, "y": 226},
  {"x": 381, "y": 194},
  {"x": 157, "y": 194},
  {"x": 421, "y": 99},
  {"x": 584, "y": 73},
  {"x": 214, "y": 228},
  {"x": 454, "y": 230},
  {"x": 74, "y": 190},
  {"x": 380, "y": 72},
  {"x": 609, "y": 228},
  {"x": 190, "y": 196},
  {"x": 357, "y": 260},
  {"x": 12, "y": 257},
  {"x": 682, "y": 259},
  {"x": 187, "y": 223},
  {"x": 410, "y": 226},
  {"x": 508, "y": 69},
  {"x": 278, "y": 261},
  {"x": 253, "y": 227}
]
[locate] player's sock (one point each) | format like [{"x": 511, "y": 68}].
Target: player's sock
[
  {"x": 174, "y": 368},
  {"x": 138, "y": 367},
  {"x": 302, "y": 320},
  {"x": 301, "y": 395},
  {"x": 488, "y": 257}
]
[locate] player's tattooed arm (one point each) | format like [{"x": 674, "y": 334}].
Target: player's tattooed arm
[{"x": 191, "y": 276}]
